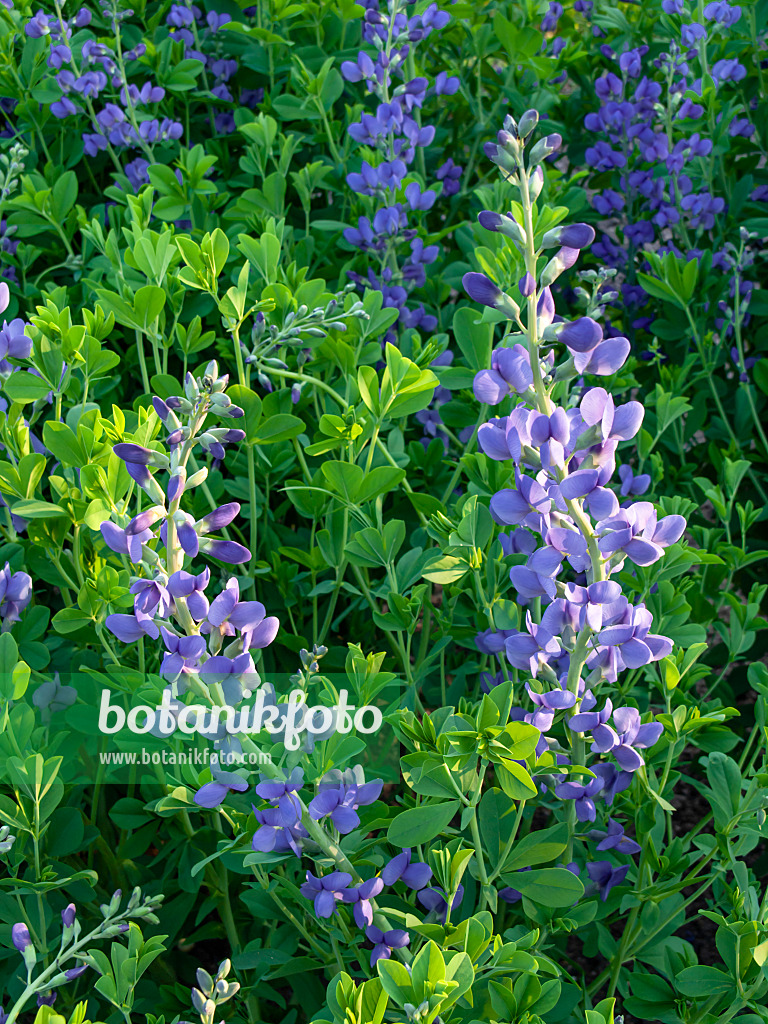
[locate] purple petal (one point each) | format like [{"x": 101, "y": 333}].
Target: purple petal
[
  {"x": 226, "y": 551},
  {"x": 219, "y": 518},
  {"x": 417, "y": 875},
  {"x": 627, "y": 420},
  {"x": 211, "y": 794},
  {"x": 628, "y": 758}
]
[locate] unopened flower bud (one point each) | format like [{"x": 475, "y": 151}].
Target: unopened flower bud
[
  {"x": 205, "y": 981},
  {"x": 545, "y": 147},
  {"x": 504, "y": 223},
  {"x": 535, "y": 182},
  {"x": 527, "y": 123}
]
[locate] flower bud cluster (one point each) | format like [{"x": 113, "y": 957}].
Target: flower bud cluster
[
  {"x": 213, "y": 992},
  {"x": 11, "y": 168},
  {"x": 267, "y": 339}
]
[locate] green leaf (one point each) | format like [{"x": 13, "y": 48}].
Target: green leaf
[
  {"x": 9, "y": 656},
  {"x": 659, "y": 289},
  {"x": 281, "y": 427},
  {"x": 549, "y": 887},
  {"x": 64, "y": 444},
  {"x": 24, "y": 387},
  {"x": 475, "y": 339},
  {"x": 148, "y": 304},
  {"x": 34, "y": 509},
  {"x": 515, "y": 781},
  {"x": 250, "y": 403},
  {"x": 395, "y": 980},
  {"x": 69, "y": 620},
  {"x": 379, "y": 481},
  {"x": 538, "y": 847},
  {"x": 760, "y": 375},
  {"x": 63, "y": 195},
  {"x": 421, "y": 824},
  {"x": 703, "y": 982},
  {"x": 344, "y": 479}
]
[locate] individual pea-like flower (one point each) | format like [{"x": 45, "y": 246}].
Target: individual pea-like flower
[
  {"x": 385, "y": 942},
  {"x": 527, "y": 651},
  {"x": 637, "y": 532},
  {"x": 68, "y": 916},
  {"x": 633, "y": 484},
  {"x": 326, "y": 892},
  {"x": 623, "y": 738},
  {"x": 124, "y": 542},
  {"x": 233, "y": 675},
  {"x": 605, "y": 876},
  {"x": 583, "y": 796},
  {"x": 614, "y": 839},
  {"x": 228, "y": 614},
  {"x": 214, "y": 793},
  {"x": 183, "y": 654},
  {"x": 362, "y": 908},
  {"x": 15, "y": 595},
  {"x": 610, "y": 422},
  {"x": 483, "y": 290},
  {"x": 20, "y": 937},
  {"x": 53, "y": 696},
  {"x": 151, "y": 598},
  {"x": 436, "y": 902},
  {"x": 401, "y": 868},
  {"x": 491, "y": 641},
  {"x": 523, "y": 506},
  {"x": 281, "y": 793},
  {"x": 191, "y": 588},
  {"x": 632, "y": 637},
  {"x": 510, "y": 373},
  {"x": 129, "y": 628},
  {"x": 537, "y": 577},
  {"x": 273, "y": 836},
  {"x": 339, "y": 800}
]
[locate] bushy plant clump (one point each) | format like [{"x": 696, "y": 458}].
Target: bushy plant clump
[{"x": 383, "y": 473}]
